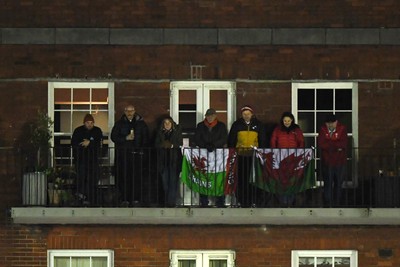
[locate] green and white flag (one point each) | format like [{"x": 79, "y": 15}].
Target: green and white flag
[{"x": 205, "y": 172}]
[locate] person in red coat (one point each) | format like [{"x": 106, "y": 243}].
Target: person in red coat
[
  {"x": 332, "y": 142},
  {"x": 287, "y": 135}
]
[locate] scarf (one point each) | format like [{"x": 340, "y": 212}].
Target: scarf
[{"x": 212, "y": 124}]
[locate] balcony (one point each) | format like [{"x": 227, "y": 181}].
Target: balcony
[{"x": 370, "y": 192}]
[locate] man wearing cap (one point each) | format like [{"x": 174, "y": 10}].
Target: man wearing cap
[
  {"x": 211, "y": 133},
  {"x": 332, "y": 141},
  {"x": 246, "y": 133},
  {"x": 86, "y": 143}
]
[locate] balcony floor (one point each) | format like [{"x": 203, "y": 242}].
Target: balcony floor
[{"x": 207, "y": 216}]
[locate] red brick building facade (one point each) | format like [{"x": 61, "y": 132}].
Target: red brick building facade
[{"x": 142, "y": 46}]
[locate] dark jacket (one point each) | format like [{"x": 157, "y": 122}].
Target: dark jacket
[
  {"x": 123, "y": 127},
  {"x": 243, "y": 135},
  {"x": 168, "y": 145},
  {"x": 333, "y": 148},
  {"x": 211, "y": 137},
  {"x": 95, "y": 136}
]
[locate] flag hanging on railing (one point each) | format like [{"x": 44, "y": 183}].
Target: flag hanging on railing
[
  {"x": 283, "y": 171},
  {"x": 209, "y": 173}
]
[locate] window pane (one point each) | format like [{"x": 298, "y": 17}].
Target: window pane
[
  {"x": 61, "y": 262},
  {"x": 306, "y": 261},
  {"x": 187, "y": 263},
  {"x": 62, "y": 122},
  {"x": 81, "y": 95},
  {"x": 321, "y": 116},
  {"x": 342, "y": 262},
  {"x": 81, "y": 98},
  {"x": 101, "y": 120},
  {"x": 218, "y": 263},
  {"x": 306, "y": 122},
  {"x": 325, "y": 99},
  {"x": 218, "y": 100},
  {"x": 305, "y": 99},
  {"x": 99, "y": 262},
  {"x": 345, "y": 119},
  {"x": 324, "y": 262},
  {"x": 187, "y": 97},
  {"x": 80, "y": 262},
  {"x": 100, "y": 96},
  {"x": 62, "y": 96},
  {"x": 309, "y": 142},
  {"x": 343, "y": 99},
  {"x": 62, "y": 106},
  {"x": 187, "y": 121}
]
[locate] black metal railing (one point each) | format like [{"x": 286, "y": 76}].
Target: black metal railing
[{"x": 150, "y": 177}]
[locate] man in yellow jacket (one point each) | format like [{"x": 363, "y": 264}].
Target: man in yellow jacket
[{"x": 246, "y": 132}]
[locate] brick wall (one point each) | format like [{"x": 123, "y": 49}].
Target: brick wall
[
  {"x": 203, "y": 13},
  {"x": 222, "y": 62},
  {"x": 150, "y": 245}
]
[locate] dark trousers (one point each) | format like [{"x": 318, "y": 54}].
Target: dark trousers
[
  {"x": 170, "y": 180},
  {"x": 87, "y": 178},
  {"x": 130, "y": 175},
  {"x": 333, "y": 180}
]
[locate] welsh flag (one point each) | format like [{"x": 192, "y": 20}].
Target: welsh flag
[
  {"x": 283, "y": 171},
  {"x": 209, "y": 173}
]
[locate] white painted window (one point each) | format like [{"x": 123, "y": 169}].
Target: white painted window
[
  {"x": 68, "y": 102},
  {"x": 80, "y": 258},
  {"x": 312, "y": 102},
  {"x": 202, "y": 258},
  {"x": 189, "y": 101},
  {"x": 324, "y": 258}
]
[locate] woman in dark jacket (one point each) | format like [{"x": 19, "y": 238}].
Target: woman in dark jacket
[{"x": 168, "y": 141}]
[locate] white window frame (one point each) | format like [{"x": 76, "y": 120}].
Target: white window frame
[
  {"x": 354, "y": 119},
  {"x": 203, "y": 89},
  {"x": 352, "y": 254},
  {"x": 83, "y": 85},
  {"x": 54, "y": 253},
  {"x": 202, "y": 257}
]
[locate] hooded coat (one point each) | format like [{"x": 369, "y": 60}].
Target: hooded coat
[{"x": 168, "y": 145}]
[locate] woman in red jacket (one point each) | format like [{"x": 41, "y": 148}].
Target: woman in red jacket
[{"x": 287, "y": 135}]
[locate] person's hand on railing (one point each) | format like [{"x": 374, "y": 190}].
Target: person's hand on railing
[{"x": 210, "y": 147}]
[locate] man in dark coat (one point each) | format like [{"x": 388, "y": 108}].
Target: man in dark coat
[
  {"x": 130, "y": 135},
  {"x": 86, "y": 144},
  {"x": 211, "y": 133}
]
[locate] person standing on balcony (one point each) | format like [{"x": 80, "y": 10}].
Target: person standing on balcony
[
  {"x": 130, "y": 135},
  {"x": 287, "y": 135},
  {"x": 169, "y": 158},
  {"x": 86, "y": 144},
  {"x": 246, "y": 133},
  {"x": 211, "y": 134},
  {"x": 332, "y": 142}
]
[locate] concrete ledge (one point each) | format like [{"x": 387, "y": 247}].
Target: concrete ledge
[
  {"x": 207, "y": 216},
  {"x": 200, "y": 36}
]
